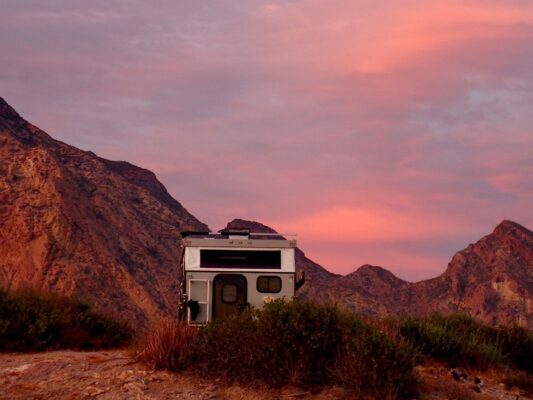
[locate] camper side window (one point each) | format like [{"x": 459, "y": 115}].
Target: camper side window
[{"x": 269, "y": 284}]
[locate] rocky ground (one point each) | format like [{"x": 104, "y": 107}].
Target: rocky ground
[{"x": 114, "y": 375}]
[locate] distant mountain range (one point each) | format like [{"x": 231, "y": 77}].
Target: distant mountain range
[
  {"x": 491, "y": 280},
  {"x": 108, "y": 231}
]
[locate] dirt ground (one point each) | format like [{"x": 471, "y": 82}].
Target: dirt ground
[
  {"x": 438, "y": 384},
  {"x": 114, "y": 375}
]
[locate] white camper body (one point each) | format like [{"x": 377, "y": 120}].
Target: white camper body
[{"x": 228, "y": 272}]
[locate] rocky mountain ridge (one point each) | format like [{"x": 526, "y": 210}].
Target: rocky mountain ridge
[
  {"x": 75, "y": 223},
  {"x": 491, "y": 280},
  {"x": 108, "y": 231}
]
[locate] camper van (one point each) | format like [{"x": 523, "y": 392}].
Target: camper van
[{"x": 227, "y": 272}]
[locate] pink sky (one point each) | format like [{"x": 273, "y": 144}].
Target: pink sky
[{"x": 390, "y": 133}]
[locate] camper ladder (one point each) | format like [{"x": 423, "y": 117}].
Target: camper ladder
[{"x": 199, "y": 290}]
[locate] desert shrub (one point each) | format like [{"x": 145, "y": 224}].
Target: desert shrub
[
  {"x": 34, "y": 321},
  {"x": 305, "y": 344},
  {"x": 516, "y": 344},
  {"x": 453, "y": 339},
  {"x": 284, "y": 341},
  {"x": 299, "y": 336},
  {"x": 229, "y": 348},
  {"x": 460, "y": 340},
  {"x": 167, "y": 345},
  {"x": 370, "y": 362}
]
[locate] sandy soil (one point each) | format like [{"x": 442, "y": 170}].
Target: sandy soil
[{"x": 114, "y": 375}]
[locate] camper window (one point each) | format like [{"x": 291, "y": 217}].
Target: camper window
[
  {"x": 259, "y": 259},
  {"x": 229, "y": 293},
  {"x": 269, "y": 284}
]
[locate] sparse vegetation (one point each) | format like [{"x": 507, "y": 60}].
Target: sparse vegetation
[
  {"x": 285, "y": 342},
  {"x": 460, "y": 340},
  {"x": 371, "y": 363},
  {"x": 307, "y": 344},
  {"x": 516, "y": 344},
  {"x": 34, "y": 321},
  {"x": 289, "y": 342},
  {"x": 167, "y": 345}
]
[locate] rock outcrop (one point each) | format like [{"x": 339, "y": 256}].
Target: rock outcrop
[{"x": 491, "y": 279}]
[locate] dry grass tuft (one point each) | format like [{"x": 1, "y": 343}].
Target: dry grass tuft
[{"x": 167, "y": 345}]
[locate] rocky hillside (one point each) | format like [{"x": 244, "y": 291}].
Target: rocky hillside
[
  {"x": 108, "y": 231},
  {"x": 75, "y": 223},
  {"x": 491, "y": 280}
]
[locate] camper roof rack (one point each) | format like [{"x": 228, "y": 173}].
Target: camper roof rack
[{"x": 185, "y": 234}]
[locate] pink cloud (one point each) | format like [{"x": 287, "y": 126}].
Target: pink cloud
[
  {"x": 371, "y": 123},
  {"x": 511, "y": 182},
  {"x": 371, "y": 224}
]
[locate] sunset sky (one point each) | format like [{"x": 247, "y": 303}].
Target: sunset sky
[{"x": 392, "y": 133}]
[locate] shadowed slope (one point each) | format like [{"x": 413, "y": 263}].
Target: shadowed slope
[{"x": 74, "y": 223}]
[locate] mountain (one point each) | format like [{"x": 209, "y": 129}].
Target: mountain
[
  {"x": 491, "y": 280},
  {"x": 108, "y": 231},
  {"x": 369, "y": 290},
  {"x": 75, "y": 223}
]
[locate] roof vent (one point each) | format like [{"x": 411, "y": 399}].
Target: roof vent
[{"x": 241, "y": 233}]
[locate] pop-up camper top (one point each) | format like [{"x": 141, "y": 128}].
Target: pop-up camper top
[{"x": 226, "y": 272}]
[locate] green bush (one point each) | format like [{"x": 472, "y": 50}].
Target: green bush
[
  {"x": 369, "y": 362},
  {"x": 305, "y": 344},
  {"x": 516, "y": 344},
  {"x": 460, "y": 340},
  {"x": 284, "y": 341},
  {"x": 34, "y": 321}
]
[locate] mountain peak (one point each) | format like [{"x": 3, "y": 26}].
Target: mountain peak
[
  {"x": 369, "y": 271},
  {"x": 7, "y": 112},
  {"x": 507, "y": 227},
  {"x": 253, "y": 226},
  {"x": 371, "y": 268}
]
